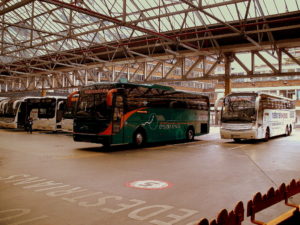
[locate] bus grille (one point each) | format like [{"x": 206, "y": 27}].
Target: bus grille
[{"x": 237, "y": 126}]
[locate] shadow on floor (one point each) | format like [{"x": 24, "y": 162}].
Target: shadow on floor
[{"x": 127, "y": 147}]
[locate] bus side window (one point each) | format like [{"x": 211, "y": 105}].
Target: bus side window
[
  {"x": 179, "y": 105},
  {"x": 118, "y": 108}
]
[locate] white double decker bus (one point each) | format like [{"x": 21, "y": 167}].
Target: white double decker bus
[{"x": 250, "y": 115}]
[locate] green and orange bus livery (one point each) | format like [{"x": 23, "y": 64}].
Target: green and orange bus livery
[{"x": 126, "y": 113}]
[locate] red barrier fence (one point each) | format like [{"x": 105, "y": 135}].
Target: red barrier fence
[
  {"x": 235, "y": 217},
  {"x": 259, "y": 203}
]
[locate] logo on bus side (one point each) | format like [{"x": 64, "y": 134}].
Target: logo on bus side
[
  {"x": 279, "y": 115},
  {"x": 152, "y": 121}
]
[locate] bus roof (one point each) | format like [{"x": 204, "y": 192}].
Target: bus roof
[
  {"x": 122, "y": 84},
  {"x": 261, "y": 94},
  {"x": 128, "y": 85}
]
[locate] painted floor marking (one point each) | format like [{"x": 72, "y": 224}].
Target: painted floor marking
[
  {"x": 149, "y": 184},
  {"x": 240, "y": 146},
  {"x": 80, "y": 156}
]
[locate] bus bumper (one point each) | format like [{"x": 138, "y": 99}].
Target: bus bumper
[
  {"x": 8, "y": 125},
  {"x": 93, "y": 138},
  {"x": 238, "y": 134}
]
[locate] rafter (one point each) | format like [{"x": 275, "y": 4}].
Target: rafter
[{"x": 15, "y": 6}]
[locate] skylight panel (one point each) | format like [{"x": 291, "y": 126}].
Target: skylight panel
[
  {"x": 100, "y": 8},
  {"x": 241, "y": 10},
  {"x": 282, "y": 6},
  {"x": 132, "y": 17},
  {"x": 189, "y": 22},
  {"x": 150, "y": 13},
  {"x": 37, "y": 41},
  {"x": 7, "y": 38},
  {"x": 130, "y": 8},
  {"x": 152, "y": 3},
  {"x": 10, "y": 18},
  {"x": 292, "y": 6},
  {"x": 217, "y": 13},
  {"x": 165, "y": 24},
  {"x": 252, "y": 10},
  {"x": 40, "y": 22},
  {"x": 180, "y": 7},
  {"x": 207, "y": 20},
  {"x": 143, "y": 6},
  {"x": 223, "y": 12},
  {"x": 267, "y": 7},
  {"x": 232, "y": 10},
  {"x": 178, "y": 20},
  {"x": 118, "y": 8}
]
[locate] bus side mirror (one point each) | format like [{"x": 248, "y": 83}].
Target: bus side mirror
[{"x": 110, "y": 96}]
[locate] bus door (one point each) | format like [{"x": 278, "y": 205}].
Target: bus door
[
  {"x": 59, "y": 113},
  {"x": 118, "y": 112},
  {"x": 22, "y": 114}
]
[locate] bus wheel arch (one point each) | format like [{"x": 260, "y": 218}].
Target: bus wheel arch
[
  {"x": 139, "y": 137},
  {"x": 190, "y": 133}
]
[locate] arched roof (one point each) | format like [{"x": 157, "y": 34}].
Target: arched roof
[{"x": 45, "y": 35}]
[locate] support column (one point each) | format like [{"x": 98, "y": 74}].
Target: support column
[{"x": 228, "y": 60}]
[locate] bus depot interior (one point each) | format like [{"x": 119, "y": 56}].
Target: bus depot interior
[{"x": 142, "y": 112}]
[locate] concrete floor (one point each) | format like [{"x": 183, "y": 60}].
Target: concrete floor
[{"x": 80, "y": 184}]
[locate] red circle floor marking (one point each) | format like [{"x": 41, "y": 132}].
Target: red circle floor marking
[{"x": 149, "y": 184}]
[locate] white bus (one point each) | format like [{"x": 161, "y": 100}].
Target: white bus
[
  {"x": 45, "y": 112},
  {"x": 253, "y": 115},
  {"x": 67, "y": 108},
  {"x": 48, "y": 113},
  {"x": 9, "y": 112}
]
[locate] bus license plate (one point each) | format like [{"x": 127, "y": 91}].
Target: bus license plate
[{"x": 235, "y": 136}]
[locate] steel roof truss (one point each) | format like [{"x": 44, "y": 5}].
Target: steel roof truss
[
  {"x": 269, "y": 64},
  {"x": 291, "y": 56},
  {"x": 191, "y": 69}
]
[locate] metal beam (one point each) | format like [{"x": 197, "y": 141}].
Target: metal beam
[
  {"x": 117, "y": 21},
  {"x": 15, "y": 6}
]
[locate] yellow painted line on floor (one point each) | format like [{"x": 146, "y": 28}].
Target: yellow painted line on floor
[{"x": 80, "y": 156}]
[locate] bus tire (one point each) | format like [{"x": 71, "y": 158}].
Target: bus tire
[
  {"x": 237, "y": 140},
  {"x": 106, "y": 145},
  {"x": 190, "y": 134},
  {"x": 287, "y": 131},
  {"x": 291, "y": 129},
  {"x": 267, "y": 135},
  {"x": 139, "y": 138}
]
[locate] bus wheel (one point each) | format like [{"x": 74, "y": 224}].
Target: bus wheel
[
  {"x": 267, "y": 135},
  {"x": 237, "y": 140},
  {"x": 287, "y": 131},
  {"x": 291, "y": 129},
  {"x": 106, "y": 145},
  {"x": 190, "y": 134},
  {"x": 139, "y": 138}
]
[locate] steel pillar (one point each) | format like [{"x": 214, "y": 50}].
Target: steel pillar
[{"x": 228, "y": 59}]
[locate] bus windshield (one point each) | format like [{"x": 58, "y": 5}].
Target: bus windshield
[
  {"x": 239, "y": 108},
  {"x": 92, "y": 105},
  {"x": 47, "y": 108}
]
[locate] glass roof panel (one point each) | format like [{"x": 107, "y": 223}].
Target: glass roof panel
[
  {"x": 51, "y": 19},
  {"x": 292, "y": 5}
]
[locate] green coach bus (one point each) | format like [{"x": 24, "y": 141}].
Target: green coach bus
[{"x": 127, "y": 113}]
